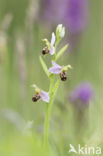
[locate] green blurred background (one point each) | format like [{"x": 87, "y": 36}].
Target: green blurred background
[{"x": 20, "y": 47}]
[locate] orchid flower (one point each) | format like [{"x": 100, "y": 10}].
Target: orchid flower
[
  {"x": 61, "y": 70},
  {"x": 40, "y": 94},
  {"x": 50, "y": 48}
]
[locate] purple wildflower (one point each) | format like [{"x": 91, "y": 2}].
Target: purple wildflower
[
  {"x": 82, "y": 94},
  {"x": 54, "y": 10},
  {"x": 40, "y": 94},
  {"x": 77, "y": 15},
  {"x": 72, "y": 13},
  {"x": 61, "y": 70}
]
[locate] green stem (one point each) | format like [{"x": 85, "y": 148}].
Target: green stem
[
  {"x": 48, "y": 110},
  {"x": 53, "y": 91},
  {"x": 47, "y": 125},
  {"x": 56, "y": 44}
]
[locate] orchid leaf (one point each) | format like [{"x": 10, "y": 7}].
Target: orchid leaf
[
  {"x": 61, "y": 52},
  {"x": 44, "y": 66}
]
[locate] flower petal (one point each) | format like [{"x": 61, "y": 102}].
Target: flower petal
[
  {"x": 44, "y": 96},
  {"x": 55, "y": 70},
  {"x": 53, "y": 39},
  {"x": 55, "y": 64},
  {"x": 52, "y": 50}
]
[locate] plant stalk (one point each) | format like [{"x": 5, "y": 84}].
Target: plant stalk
[{"x": 48, "y": 112}]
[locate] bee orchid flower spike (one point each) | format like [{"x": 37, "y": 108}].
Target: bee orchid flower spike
[{"x": 49, "y": 97}]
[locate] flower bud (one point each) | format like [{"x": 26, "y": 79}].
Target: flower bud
[{"x": 60, "y": 31}]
